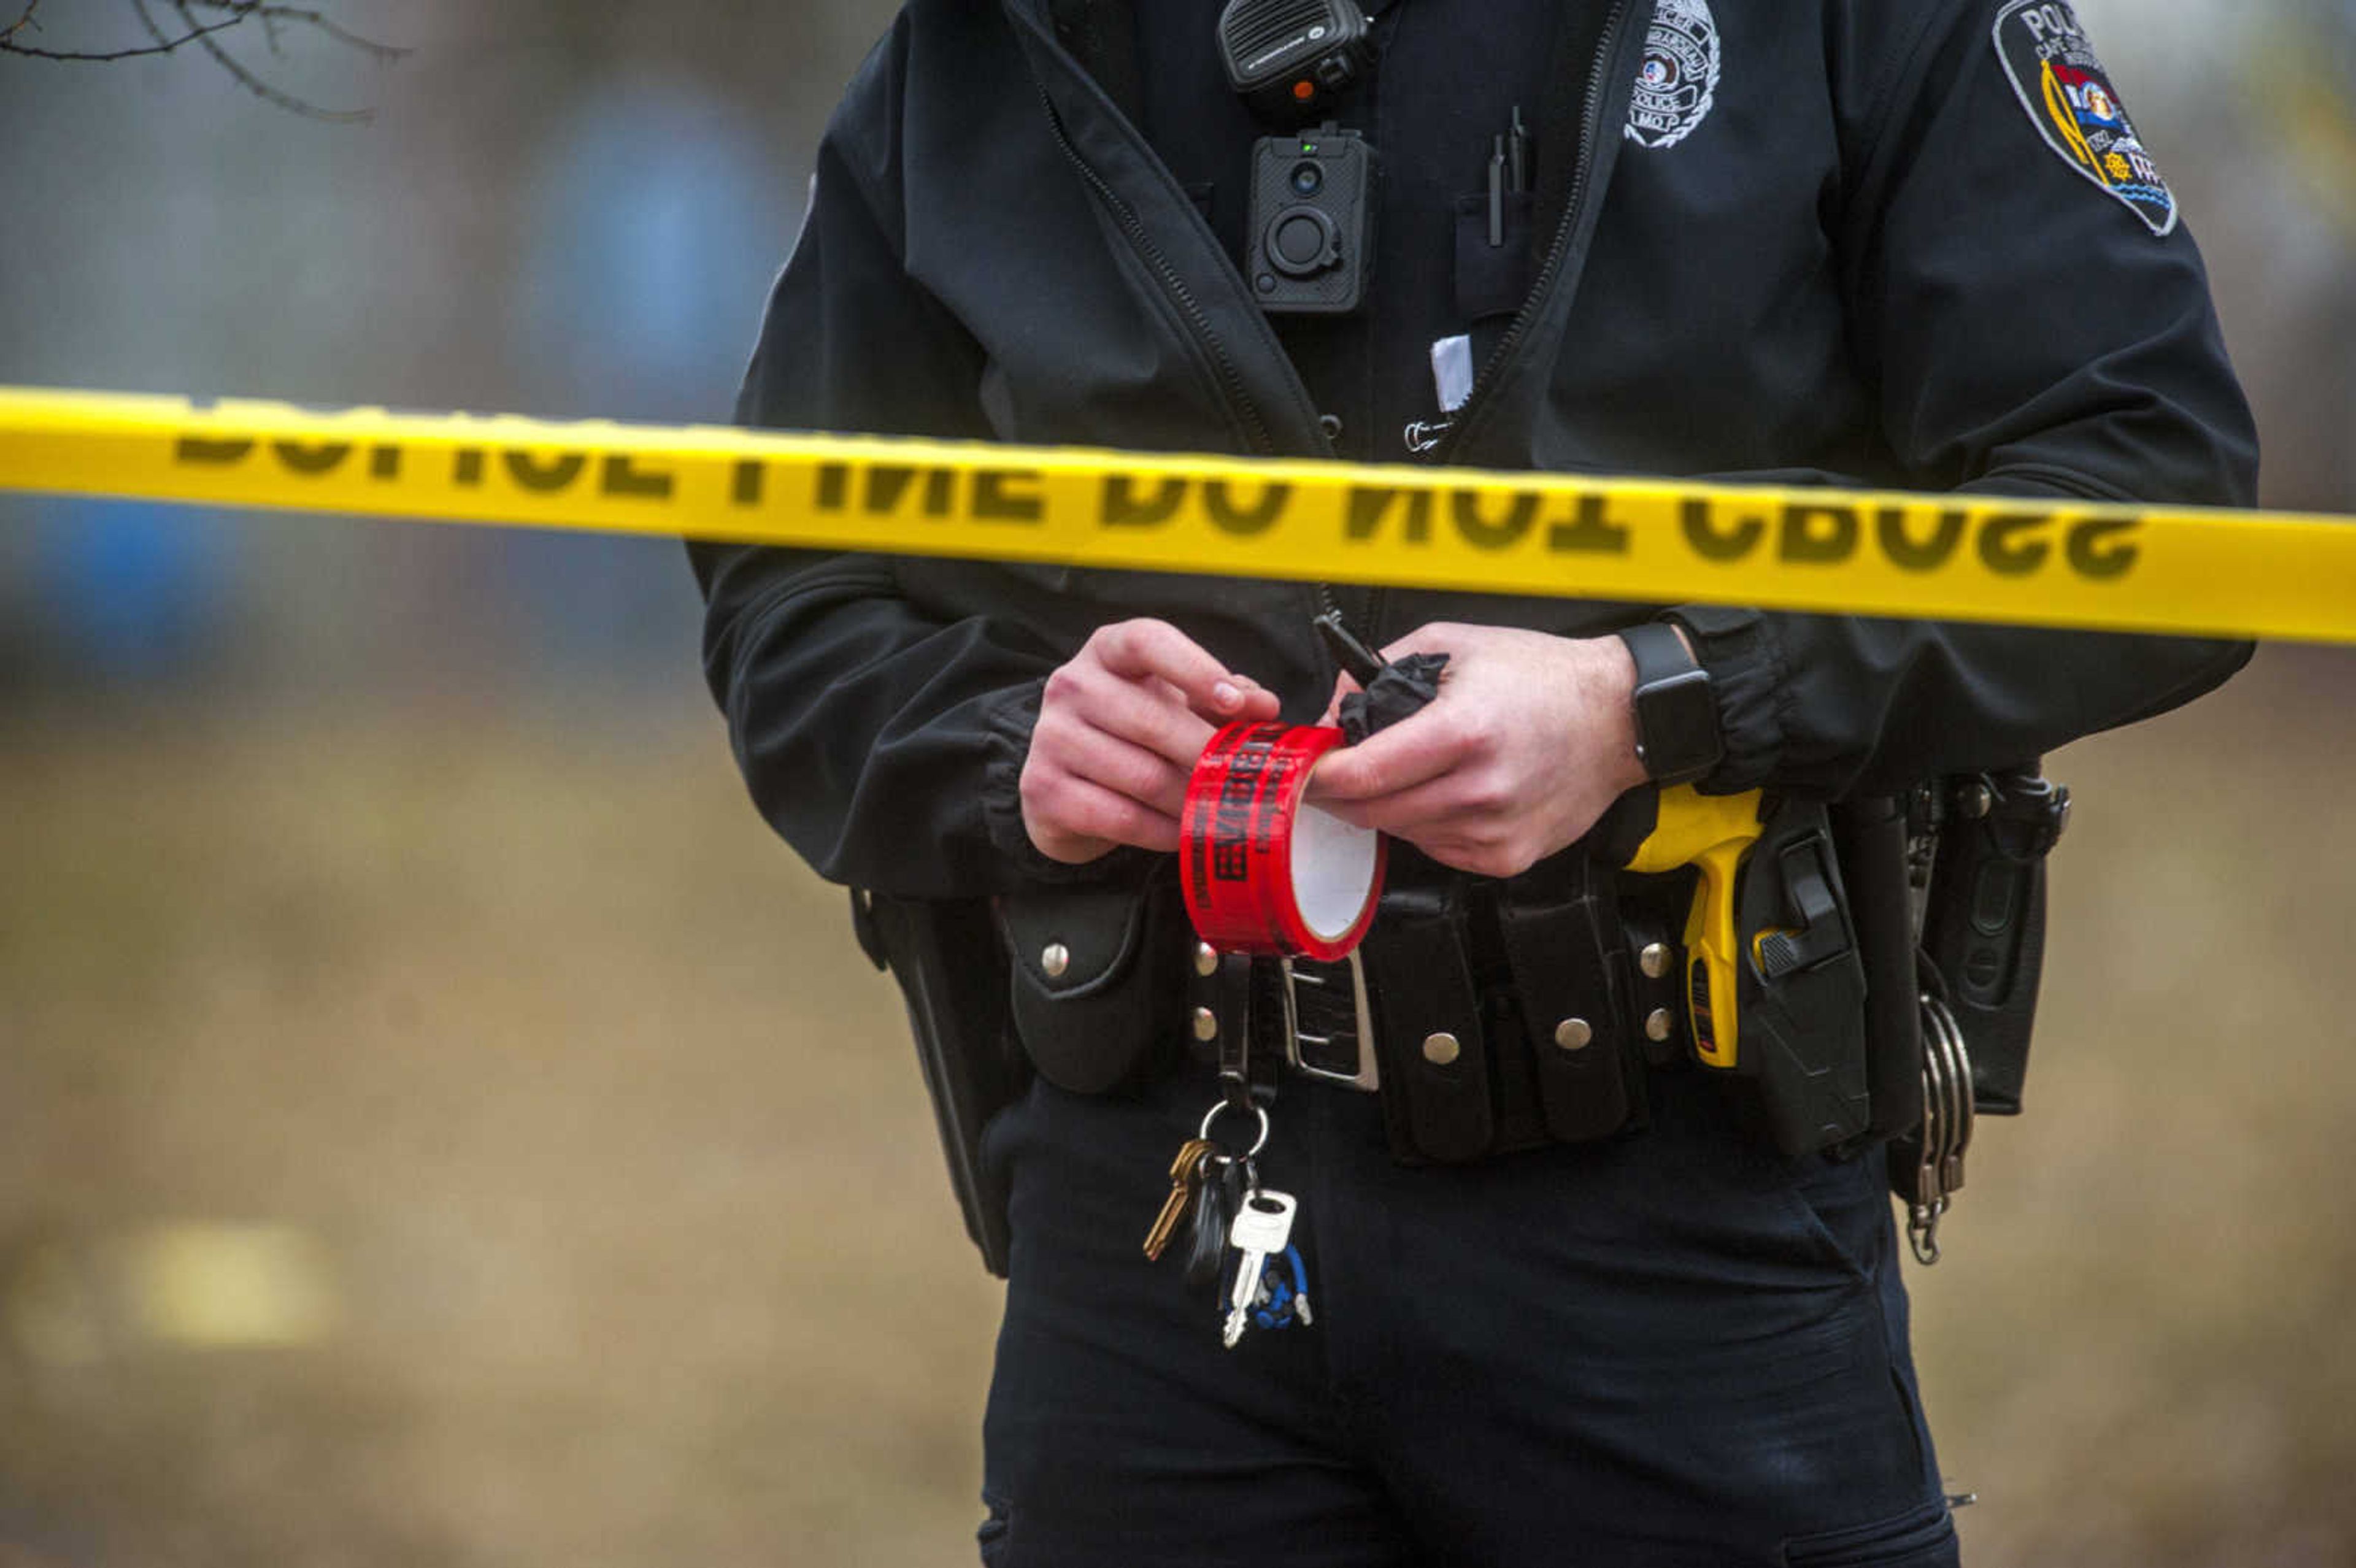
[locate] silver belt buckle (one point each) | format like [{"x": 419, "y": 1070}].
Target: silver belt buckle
[{"x": 1368, "y": 1078}]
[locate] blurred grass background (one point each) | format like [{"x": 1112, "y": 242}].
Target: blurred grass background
[{"x": 389, "y": 893}]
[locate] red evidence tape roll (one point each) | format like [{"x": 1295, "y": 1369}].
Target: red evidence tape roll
[{"x": 1263, "y": 872}]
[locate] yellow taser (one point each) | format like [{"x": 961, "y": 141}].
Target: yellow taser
[{"x": 1713, "y": 834}]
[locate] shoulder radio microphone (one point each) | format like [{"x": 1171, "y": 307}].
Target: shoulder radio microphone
[{"x": 1291, "y": 58}]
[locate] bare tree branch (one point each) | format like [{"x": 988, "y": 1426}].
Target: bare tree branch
[
  {"x": 315, "y": 20},
  {"x": 162, "y": 46},
  {"x": 140, "y": 8},
  {"x": 262, "y": 88},
  {"x": 275, "y": 18}
]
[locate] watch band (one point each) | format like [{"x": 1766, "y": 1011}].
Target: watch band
[{"x": 1676, "y": 712}]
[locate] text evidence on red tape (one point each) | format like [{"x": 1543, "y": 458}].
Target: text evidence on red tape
[{"x": 1265, "y": 872}]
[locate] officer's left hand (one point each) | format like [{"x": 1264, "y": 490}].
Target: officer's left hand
[{"x": 1532, "y": 739}]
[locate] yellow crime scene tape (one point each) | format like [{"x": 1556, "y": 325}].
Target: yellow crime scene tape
[{"x": 2028, "y": 562}]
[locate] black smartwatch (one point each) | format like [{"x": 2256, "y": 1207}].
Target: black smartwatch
[{"x": 1677, "y": 713}]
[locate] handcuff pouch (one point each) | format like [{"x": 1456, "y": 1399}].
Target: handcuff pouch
[
  {"x": 1435, "y": 1056},
  {"x": 1563, "y": 935}
]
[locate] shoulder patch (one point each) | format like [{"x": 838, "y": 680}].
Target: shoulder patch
[
  {"x": 1678, "y": 83},
  {"x": 2070, "y": 99}
]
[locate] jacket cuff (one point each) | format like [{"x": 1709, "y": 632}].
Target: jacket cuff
[
  {"x": 1744, "y": 659},
  {"x": 1010, "y": 723}
]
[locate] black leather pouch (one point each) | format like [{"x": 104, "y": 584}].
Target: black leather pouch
[
  {"x": 1984, "y": 930},
  {"x": 1437, "y": 1103},
  {"x": 1096, "y": 980},
  {"x": 944, "y": 956},
  {"x": 1870, "y": 842},
  {"x": 1563, "y": 936}
]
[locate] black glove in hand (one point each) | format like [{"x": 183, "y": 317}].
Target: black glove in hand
[{"x": 1405, "y": 689}]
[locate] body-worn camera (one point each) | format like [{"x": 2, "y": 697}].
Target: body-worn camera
[
  {"x": 1290, "y": 58},
  {"x": 1310, "y": 238}
]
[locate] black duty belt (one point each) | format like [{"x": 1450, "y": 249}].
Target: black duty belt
[{"x": 1489, "y": 1016}]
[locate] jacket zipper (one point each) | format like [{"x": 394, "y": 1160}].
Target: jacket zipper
[
  {"x": 1230, "y": 380},
  {"x": 1588, "y": 130}
]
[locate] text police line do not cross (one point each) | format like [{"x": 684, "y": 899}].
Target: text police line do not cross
[
  {"x": 1919, "y": 538},
  {"x": 2061, "y": 562}
]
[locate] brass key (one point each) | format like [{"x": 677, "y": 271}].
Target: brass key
[{"x": 1186, "y": 1180}]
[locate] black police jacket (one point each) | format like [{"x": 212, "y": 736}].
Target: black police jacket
[{"x": 1869, "y": 261}]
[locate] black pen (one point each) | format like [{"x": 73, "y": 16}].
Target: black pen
[
  {"x": 1518, "y": 155},
  {"x": 1497, "y": 196}
]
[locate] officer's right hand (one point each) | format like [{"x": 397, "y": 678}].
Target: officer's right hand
[{"x": 1119, "y": 731}]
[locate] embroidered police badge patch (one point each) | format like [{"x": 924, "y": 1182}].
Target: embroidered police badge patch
[
  {"x": 1678, "y": 81},
  {"x": 2070, "y": 99}
]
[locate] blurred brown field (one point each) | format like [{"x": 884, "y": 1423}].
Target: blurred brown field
[{"x": 612, "y": 1154}]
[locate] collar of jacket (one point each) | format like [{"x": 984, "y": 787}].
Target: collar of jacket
[{"x": 1271, "y": 411}]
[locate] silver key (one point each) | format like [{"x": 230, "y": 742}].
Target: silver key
[{"x": 1261, "y": 1229}]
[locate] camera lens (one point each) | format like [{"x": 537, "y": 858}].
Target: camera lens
[{"x": 1308, "y": 179}]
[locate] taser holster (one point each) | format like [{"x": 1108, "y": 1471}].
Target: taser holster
[{"x": 1802, "y": 985}]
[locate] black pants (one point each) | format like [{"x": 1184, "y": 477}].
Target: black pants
[{"x": 1670, "y": 1349}]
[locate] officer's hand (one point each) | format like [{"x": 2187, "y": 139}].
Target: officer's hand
[
  {"x": 1120, "y": 729},
  {"x": 1532, "y": 739}
]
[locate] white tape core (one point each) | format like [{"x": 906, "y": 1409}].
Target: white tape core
[{"x": 1332, "y": 871}]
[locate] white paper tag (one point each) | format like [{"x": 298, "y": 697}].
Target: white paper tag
[{"x": 1451, "y": 372}]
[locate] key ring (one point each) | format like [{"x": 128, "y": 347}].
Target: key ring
[{"x": 1212, "y": 1118}]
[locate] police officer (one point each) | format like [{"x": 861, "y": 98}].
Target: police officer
[{"x": 1915, "y": 244}]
